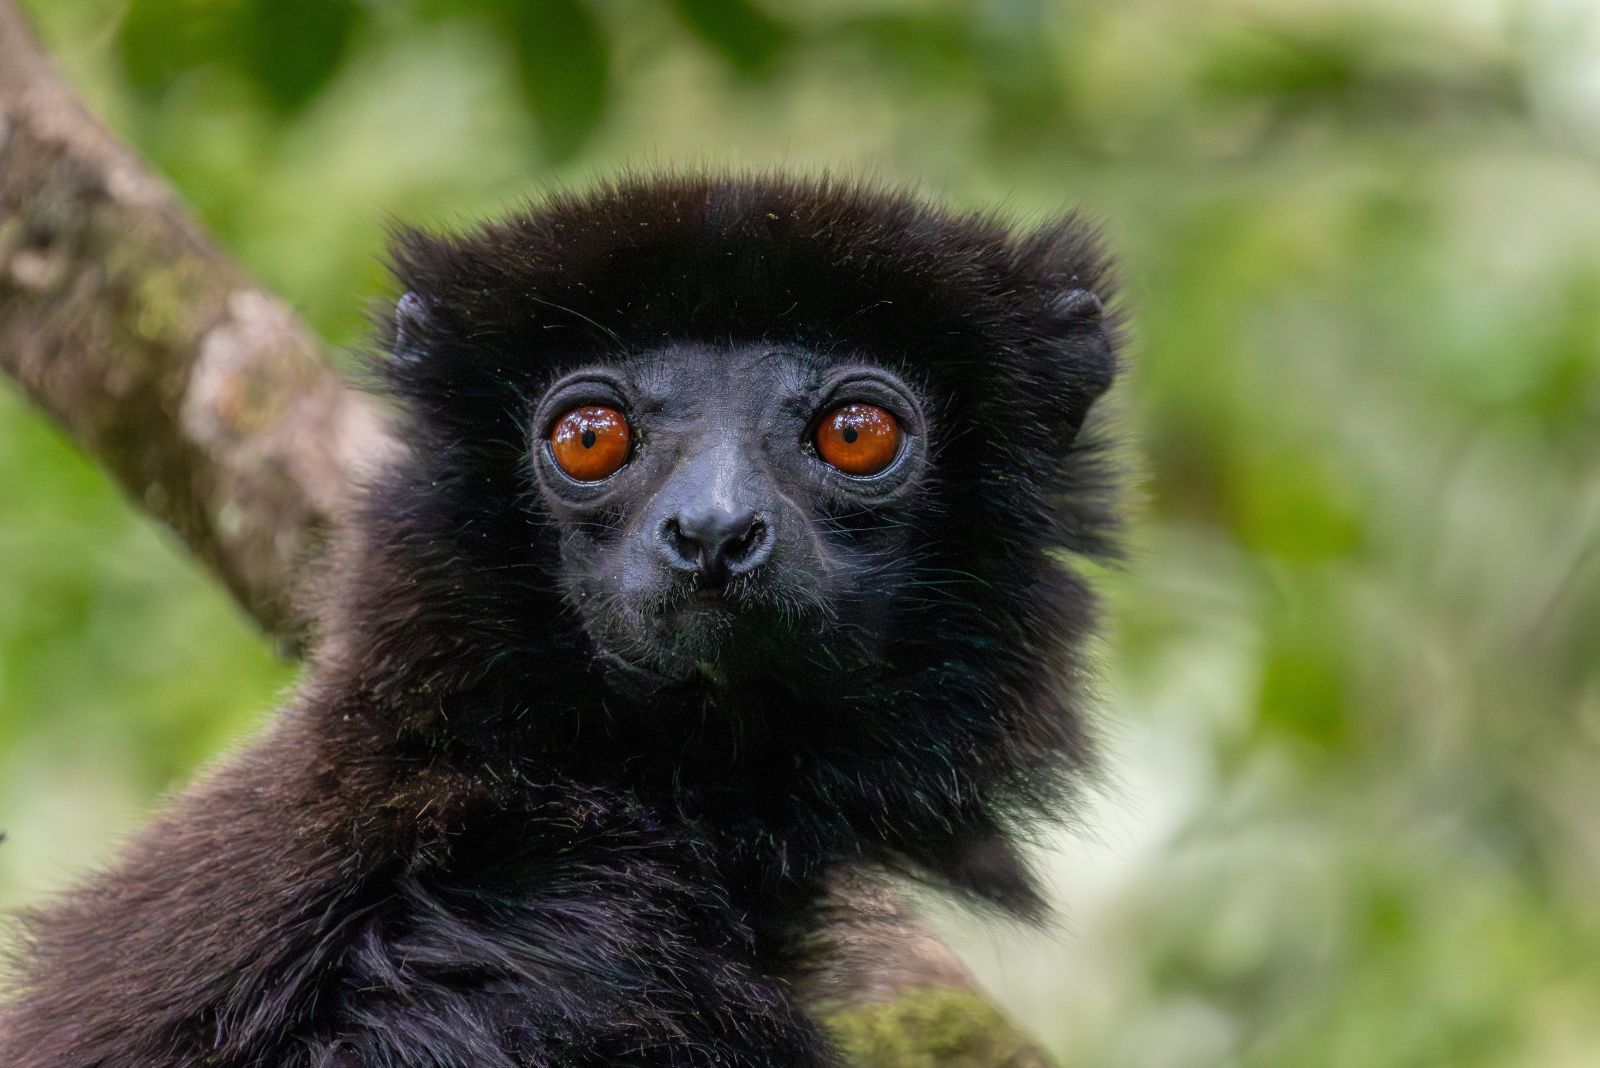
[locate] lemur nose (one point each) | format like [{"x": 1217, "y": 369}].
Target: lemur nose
[{"x": 716, "y": 545}]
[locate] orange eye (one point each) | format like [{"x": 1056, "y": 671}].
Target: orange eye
[
  {"x": 590, "y": 443},
  {"x": 859, "y": 439}
]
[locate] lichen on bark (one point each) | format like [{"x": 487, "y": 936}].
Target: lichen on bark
[{"x": 932, "y": 1027}]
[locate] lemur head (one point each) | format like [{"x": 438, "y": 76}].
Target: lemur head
[
  {"x": 762, "y": 422},
  {"x": 749, "y": 432}
]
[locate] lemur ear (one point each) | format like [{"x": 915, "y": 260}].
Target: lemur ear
[
  {"x": 1078, "y": 306},
  {"x": 411, "y": 322},
  {"x": 1078, "y": 317}
]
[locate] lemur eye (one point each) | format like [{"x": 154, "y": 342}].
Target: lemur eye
[
  {"x": 859, "y": 439},
  {"x": 590, "y": 443}
]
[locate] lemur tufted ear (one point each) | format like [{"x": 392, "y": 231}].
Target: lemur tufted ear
[
  {"x": 1078, "y": 305},
  {"x": 411, "y": 322},
  {"x": 1079, "y": 322}
]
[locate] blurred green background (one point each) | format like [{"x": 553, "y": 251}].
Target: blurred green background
[{"x": 1353, "y": 689}]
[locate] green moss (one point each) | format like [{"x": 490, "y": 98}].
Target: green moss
[
  {"x": 932, "y": 1028},
  {"x": 163, "y": 302}
]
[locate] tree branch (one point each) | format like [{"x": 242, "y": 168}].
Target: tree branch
[
  {"x": 201, "y": 393},
  {"x": 214, "y": 408}
]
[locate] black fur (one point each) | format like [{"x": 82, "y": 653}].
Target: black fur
[{"x": 470, "y": 842}]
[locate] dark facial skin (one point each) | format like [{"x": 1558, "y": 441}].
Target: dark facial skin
[{"x": 725, "y": 546}]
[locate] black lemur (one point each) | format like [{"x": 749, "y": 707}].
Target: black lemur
[{"x": 729, "y": 546}]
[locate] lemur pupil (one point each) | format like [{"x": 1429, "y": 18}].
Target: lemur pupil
[
  {"x": 588, "y": 439},
  {"x": 849, "y": 434}
]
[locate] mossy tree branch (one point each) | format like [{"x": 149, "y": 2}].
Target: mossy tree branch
[
  {"x": 206, "y": 399},
  {"x": 215, "y": 409}
]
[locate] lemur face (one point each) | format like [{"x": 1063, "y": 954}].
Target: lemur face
[
  {"x": 756, "y": 433},
  {"x": 734, "y": 510}
]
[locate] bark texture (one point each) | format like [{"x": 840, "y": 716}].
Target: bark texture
[
  {"x": 215, "y": 409},
  {"x": 203, "y": 395}
]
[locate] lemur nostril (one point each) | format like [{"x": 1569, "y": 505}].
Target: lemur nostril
[
  {"x": 742, "y": 546},
  {"x": 688, "y": 549}
]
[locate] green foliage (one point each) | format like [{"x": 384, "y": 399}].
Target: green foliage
[
  {"x": 291, "y": 48},
  {"x": 1354, "y": 685},
  {"x": 562, "y": 60},
  {"x": 1270, "y": 63},
  {"x": 743, "y": 34},
  {"x": 287, "y": 49}
]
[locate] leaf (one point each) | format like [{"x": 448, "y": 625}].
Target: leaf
[
  {"x": 1269, "y": 62},
  {"x": 563, "y": 64},
  {"x": 158, "y": 41},
  {"x": 291, "y": 49},
  {"x": 742, "y": 33}
]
